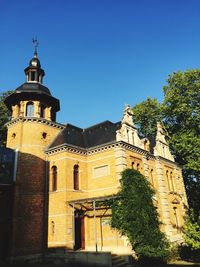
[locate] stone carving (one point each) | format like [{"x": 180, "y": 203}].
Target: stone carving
[
  {"x": 162, "y": 148},
  {"x": 128, "y": 116},
  {"x": 128, "y": 132}
]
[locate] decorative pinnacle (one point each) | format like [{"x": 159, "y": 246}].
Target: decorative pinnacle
[{"x": 35, "y": 44}]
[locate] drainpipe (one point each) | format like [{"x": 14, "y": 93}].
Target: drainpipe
[
  {"x": 95, "y": 225},
  {"x": 73, "y": 227},
  {"x": 15, "y": 165},
  {"x": 46, "y": 202}
]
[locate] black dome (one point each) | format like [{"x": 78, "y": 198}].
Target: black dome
[
  {"x": 33, "y": 88},
  {"x": 34, "y": 62}
]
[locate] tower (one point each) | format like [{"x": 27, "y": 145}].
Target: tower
[{"x": 30, "y": 130}]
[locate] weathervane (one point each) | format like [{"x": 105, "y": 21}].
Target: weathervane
[{"x": 35, "y": 44}]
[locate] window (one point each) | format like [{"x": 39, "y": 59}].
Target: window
[
  {"x": 54, "y": 178},
  {"x": 176, "y": 218},
  {"x": 172, "y": 182},
  {"x": 30, "y": 109},
  {"x": 146, "y": 147},
  {"x": 151, "y": 174},
  {"x": 76, "y": 177},
  {"x": 42, "y": 111},
  {"x": 132, "y": 165},
  {"x": 168, "y": 183},
  {"x": 18, "y": 110},
  {"x": 44, "y": 135},
  {"x": 52, "y": 228},
  {"x": 133, "y": 138},
  {"x": 32, "y": 75},
  {"x": 138, "y": 166},
  {"x": 53, "y": 115}
]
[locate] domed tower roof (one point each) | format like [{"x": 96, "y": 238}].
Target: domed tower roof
[
  {"x": 34, "y": 62},
  {"x": 33, "y": 88}
]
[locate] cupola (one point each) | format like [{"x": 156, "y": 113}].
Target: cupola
[
  {"x": 34, "y": 72},
  {"x": 32, "y": 98}
]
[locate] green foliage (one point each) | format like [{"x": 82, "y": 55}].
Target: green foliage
[
  {"x": 192, "y": 231},
  {"x": 135, "y": 216},
  {"x": 145, "y": 115},
  {"x": 180, "y": 113},
  {"x": 174, "y": 252},
  {"x": 4, "y": 117},
  {"x": 181, "y": 108},
  {"x": 182, "y": 117}
]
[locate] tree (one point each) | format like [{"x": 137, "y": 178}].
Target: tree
[
  {"x": 180, "y": 113},
  {"x": 181, "y": 107},
  {"x": 182, "y": 116},
  {"x": 135, "y": 216},
  {"x": 145, "y": 116},
  {"x": 192, "y": 231},
  {"x": 4, "y": 118}
]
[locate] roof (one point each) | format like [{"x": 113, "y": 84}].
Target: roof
[
  {"x": 32, "y": 91},
  {"x": 33, "y": 88},
  {"x": 93, "y": 136}
]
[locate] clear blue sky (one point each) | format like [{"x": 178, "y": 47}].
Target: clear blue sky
[{"x": 99, "y": 55}]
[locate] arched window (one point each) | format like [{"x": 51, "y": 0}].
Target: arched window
[
  {"x": 30, "y": 109},
  {"x": 167, "y": 177},
  {"x": 54, "y": 178},
  {"x": 52, "y": 228},
  {"x": 42, "y": 111},
  {"x": 76, "y": 177},
  {"x": 132, "y": 165},
  {"x": 53, "y": 115},
  {"x": 152, "y": 180},
  {"x": 18, "y": 110},
  {"x": 146, "y": 145},
  {"x": 176, "y": 218},
  {"x": 32, "y": 75},
  {"x": 138, "y": 166},
  {"x": 172, "y": 182}
]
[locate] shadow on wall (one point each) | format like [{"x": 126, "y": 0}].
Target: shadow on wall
[
  {"x": 28, "y": 208},
  {"x": 6, "y": 194}
]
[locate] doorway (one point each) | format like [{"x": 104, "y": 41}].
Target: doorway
[{"x": 79, "y": 231}]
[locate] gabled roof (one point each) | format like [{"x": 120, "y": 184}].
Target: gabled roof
[{"x": 93, "y": 136}]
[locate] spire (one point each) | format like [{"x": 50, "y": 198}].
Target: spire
[{"x": 35, "y": 44}]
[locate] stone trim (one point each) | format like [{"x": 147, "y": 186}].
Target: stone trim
[
  {"x": 137, "y": 150},
  {"x": 98, "y": 149},
  {"x": 66, "y": 148},
  {"x": 167, "y": 161},
  {"x": 34, "y": 119}
]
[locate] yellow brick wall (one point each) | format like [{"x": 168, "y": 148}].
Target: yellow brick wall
[
  {"x": 29, "y": 197},
  {"x": 97, "y": 186}
]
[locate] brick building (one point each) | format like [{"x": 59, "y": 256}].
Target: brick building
[{"x": 63, "y": 171}]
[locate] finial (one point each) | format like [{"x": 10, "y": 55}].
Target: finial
[{"x": 35, "y": 44}]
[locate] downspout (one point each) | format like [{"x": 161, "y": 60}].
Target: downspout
[
  {"x": 95, "y": 225},
  {"x": 46, "y": 203},
  {"x": 15, "y": 165}
]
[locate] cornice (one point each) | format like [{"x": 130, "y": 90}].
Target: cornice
[
  {"x": 136, "y": 149},
  {"x": 66, "y": 148},
  {"x": 98, "y": 149},
  {"x": 167, "y": 161},
  {"x": 37, "y": 120}
]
